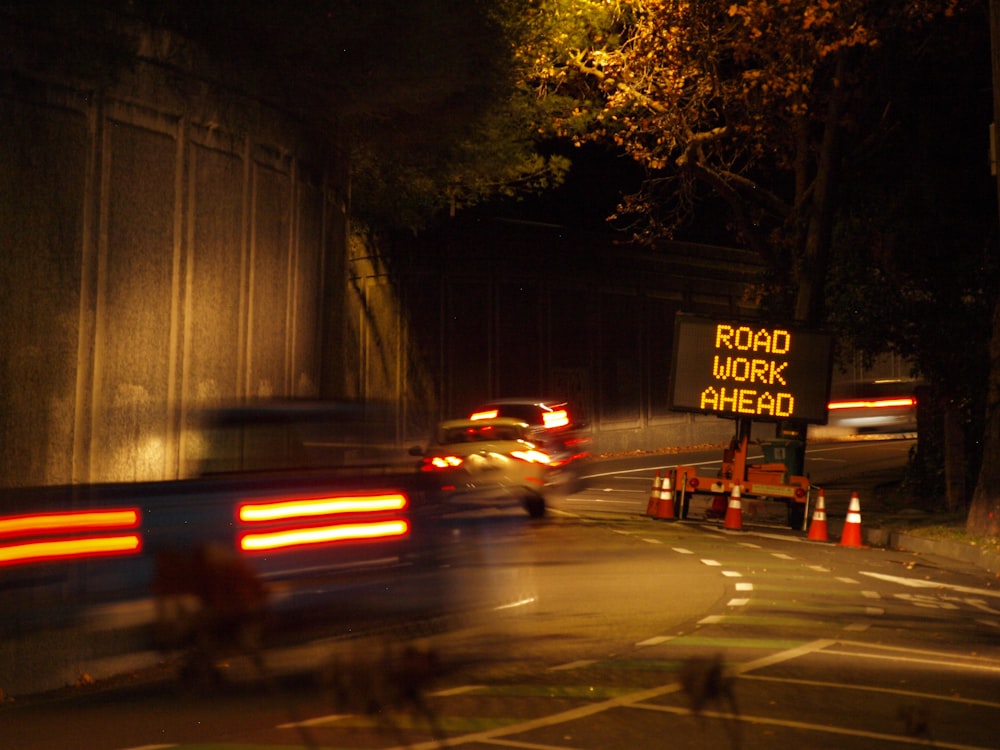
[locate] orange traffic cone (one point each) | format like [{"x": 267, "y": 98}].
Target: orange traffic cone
[
  {"x": 665, "y": 508},
  {"x": 852, "y": 526},
  {"x": 734, "y": 513},
  {"x": 654, "y": 496},
  {"x": 817, "y": 528}
]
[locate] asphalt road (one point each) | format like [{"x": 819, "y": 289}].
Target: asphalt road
[{"x": 601, "y": 628}]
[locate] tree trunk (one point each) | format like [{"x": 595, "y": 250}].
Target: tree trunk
[
  {"x": 984, "y": 513},
  {"x": 812, "y": 271}
]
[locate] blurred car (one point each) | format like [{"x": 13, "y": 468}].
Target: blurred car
[
  {"x": 880, "y": 407},
  {"x": 554, "y": 427},
  {"x": 487, "y": 463}
]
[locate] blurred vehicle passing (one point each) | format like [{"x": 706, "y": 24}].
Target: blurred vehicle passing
[
  {"x": 487, "y": 463},
  {"x": 304, "y": 500},
  {"x": 878, "y": 407},
  {"x": 289, "y": 434},
  {"x": 554, "y": 427}
]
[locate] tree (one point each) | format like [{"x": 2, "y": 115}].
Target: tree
[
  {"x": 984, "y": 513},
  {"x": 748, "y": 101}
]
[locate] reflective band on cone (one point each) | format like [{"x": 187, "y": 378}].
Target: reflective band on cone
[
  {"x": 734, "y": 513},
  {"x": 665, "y": 508},
  {"x": 852, "y": 526},
  {"x": 817, "y": 529},
  {"x": 654, "y": 497}
]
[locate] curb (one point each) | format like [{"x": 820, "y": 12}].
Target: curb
[{"x": 966, "y": 553}]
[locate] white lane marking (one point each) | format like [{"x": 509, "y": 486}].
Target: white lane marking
[
  {"x": 652, "y": 541},
  {"x": 858, "y": 627},
  {"x": 977, "y": 604},
  {"x": 871, "y": 595},
  {"x": 918, "y": 583},
  {"x": 782, "y": 556},
  {"x": 573, "y": 665},
  {"x": 655, "y": 640},
  {"x": 711, "y": 563},
  {"x": 846, "y": 580},
  {"x": 951, "y": 698},
  {"x": 802, "y": 725},
  {"x": 744, "y": 586},
  {"x": 318, "y": 721},
  {"x": 518, "y": 603},
  {"x": 732, "y": 574},
  {"x": 937, "y": 658},
  {"x": 737, "y": 602},
  {"x": 711, "y": 620},
  {"x": 818, "y": 568},
  {"x": 682, "y": 551}
]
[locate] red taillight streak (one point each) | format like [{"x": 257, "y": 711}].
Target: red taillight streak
[
  {"x": 877, "y": 404},
  {"x": 84, "y": 520},
  {"x": 255, "y": 542},
  {"x": 69, "y": 535},
  {"x": 321, "y": 506},
  {"x": 75, "y": 547}
]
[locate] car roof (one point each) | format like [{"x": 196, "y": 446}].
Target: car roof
[
  {"x": 530, "y": 400},
  {"x": 478, "y": 423}
]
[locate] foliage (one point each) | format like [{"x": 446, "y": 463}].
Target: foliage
[{"x": 748, "y": 101}]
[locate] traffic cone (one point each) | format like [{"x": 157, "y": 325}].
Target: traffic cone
[
  {"x": 734, "y": 513},
  {"x": 654, "y": 497},
  {"x": 852, "y": 526},
  {"x": 817, "y": 527},
  {"x": 665, "y": 508}
]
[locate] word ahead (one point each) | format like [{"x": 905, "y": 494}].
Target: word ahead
[{"x": 746, "y": 370}]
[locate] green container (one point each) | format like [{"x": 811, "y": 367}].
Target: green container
[{"x": 784, "y": 451}]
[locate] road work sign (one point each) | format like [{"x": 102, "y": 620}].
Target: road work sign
[{"x": 740, "y": 369}]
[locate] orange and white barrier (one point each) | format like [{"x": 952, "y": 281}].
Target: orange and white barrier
[
  {"x": 734, "y": 512},
  {"x": 654, "y": 497},
  {"x": 852, "y": 526},
  {"x": 665, "y": 508},
  {"x": 817, "y": 527}
]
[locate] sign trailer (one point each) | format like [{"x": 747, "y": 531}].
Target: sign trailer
[{"x": 750, "y": 371}]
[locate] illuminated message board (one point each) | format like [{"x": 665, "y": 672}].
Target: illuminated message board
[{"x": 763, "y": 372}]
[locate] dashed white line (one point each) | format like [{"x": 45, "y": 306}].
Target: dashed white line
[
  {"x": 846, "y": 580},
  {"x": 744, "y": 586},
  {"x": 737, "y": 602},
  {"x": 711, "y": 563},
  {"x": 655, "y": 640},
  {"x": 682, "y": 551},
  {"x": 732, "y": 574}
]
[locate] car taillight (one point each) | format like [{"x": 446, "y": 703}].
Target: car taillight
[
  {"x": 298, "y": 522},
  {"x": 46, "y": 537},
  {"x": 553, "y": 419},
  {"x": 532, "y": 456},
  {"x": 438, "y": 463}
]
